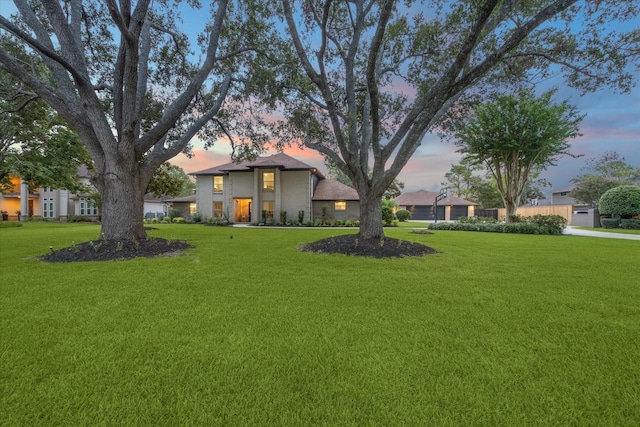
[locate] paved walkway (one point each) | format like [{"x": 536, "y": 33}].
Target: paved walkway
[{"x": 572, "y": 231}]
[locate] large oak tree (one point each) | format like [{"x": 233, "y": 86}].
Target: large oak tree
[
  {"x": 372, "y": 77},
  {"x": 36, "y": 144},
  {"x": 133, "y": 86}
]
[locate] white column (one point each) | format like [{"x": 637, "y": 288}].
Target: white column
[
  {"x": 256, "y": 204},
  {"x": 24, "y": 200},
  {"x": 278, "y": 195}
]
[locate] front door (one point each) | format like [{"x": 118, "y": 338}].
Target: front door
[{"x": 242, "y": 210}]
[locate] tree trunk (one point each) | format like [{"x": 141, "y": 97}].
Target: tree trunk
[
  {"x": 371, "y": 217},
  {"x": 511, "y": 209},
  {"x": 122, "y": 207}
]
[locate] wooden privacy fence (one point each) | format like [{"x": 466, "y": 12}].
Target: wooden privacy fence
[{"x": 563, "y": 210}]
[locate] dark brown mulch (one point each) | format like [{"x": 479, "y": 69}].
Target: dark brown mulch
[
  {"x": 352, "y": 244},
  {"x": 110, "y": 250}
]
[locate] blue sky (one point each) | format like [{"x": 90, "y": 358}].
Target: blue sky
[{"x": 612, "y": 123}]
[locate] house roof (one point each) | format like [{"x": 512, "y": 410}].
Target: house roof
[
  {"x": 428, "y": 198},
  {"x": 279, "y": 160},
  {"x": 330, "y": 189},
  {"x": 567, "y": 188},
  {"x": 183, "y": 199}
]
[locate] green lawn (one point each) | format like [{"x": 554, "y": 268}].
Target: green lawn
[{"x": 244, "y": 330}]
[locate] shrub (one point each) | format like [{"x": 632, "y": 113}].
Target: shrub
[
  {"x": 511, "y": 227},
  {"x": 517, "y": 218},
  {"x": 301, "y": 217},
  {"x": 610, "y": 222},
  {"x": 339, "y": 223},
  {"x": 403, "y": 215},
  {"x": 555, "y": 223},
  {"x": 387, "y": 215},
  {"x": 623, "y": 201},
  {"x": 347, "y": 223},
  {"x": 356, "y": 223},
  {"x": 324, "y": 208},
  {"x": 630, "y": 224},
  {"x": 309, "y": 223},
  {"x": 477, "y": 219},
  {"x": 77, "y": 218},
  {"x": 217, "y": 221},
  {"x": 196, "y": 217},
  {"x": 283, "y": 217},
  {"x": 178, "y": 220}
]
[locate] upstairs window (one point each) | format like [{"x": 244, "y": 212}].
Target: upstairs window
[
  {"x": 340, "y": 206},
  {"x": 268, "y": 181},
  {"x": 218, "y": 183}
]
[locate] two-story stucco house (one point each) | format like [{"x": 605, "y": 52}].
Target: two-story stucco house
[
  {"x": 48, "y": 203},
  {"x": 268, "y": 187}
]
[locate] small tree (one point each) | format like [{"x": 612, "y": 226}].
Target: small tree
[
  {"x": 170, "y": 180},
  {"x": 589, "y": 189},
  {"x": 387, "y": 211},
  {"x": 622, "y": 201},
  {"x": 516, "y": 137},
  {"x": 602, "y": 174}
]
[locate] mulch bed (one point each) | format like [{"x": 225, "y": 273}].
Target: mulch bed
[
  {"x": 349, "y": 244},
  {"x": 109, "y": 250},
  {"x": 352, "y": 244}
]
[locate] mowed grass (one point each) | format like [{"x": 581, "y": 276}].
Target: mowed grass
[{"x": 245, "y": 330}]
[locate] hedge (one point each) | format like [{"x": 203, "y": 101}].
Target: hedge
[
  {"x": 610, "y": 222},
  {"x": 630, "y": 224},
  {"x": 623, "y": 201}
]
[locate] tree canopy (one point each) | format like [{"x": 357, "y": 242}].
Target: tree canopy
[
  {"x": 36, "y": 144},
  {"x": 515, "y": 137},
  {"x": 170, "y": 180},
  {"x": 368, "y": 79},
  {"x": 361, "y": 81},
  {"x": 136, "y": 88},
  {"x": 602, "y": 174}
]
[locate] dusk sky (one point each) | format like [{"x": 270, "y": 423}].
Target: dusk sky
[{"x": 612, "y": 123}]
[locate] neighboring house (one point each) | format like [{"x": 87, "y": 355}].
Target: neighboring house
[
  {"x": 183, "y": 206},
  {"x": 562, "y": 196},
  {"x": 561, "y": 203},
  {"x": 268, "y": 187},
  {"x": 48, "y": 203},
  {"x": 421, "y": 204},
  {"x": 155, "y": 207}
]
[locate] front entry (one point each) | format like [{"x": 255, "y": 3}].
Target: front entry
[{"x": 242, "y": 210}]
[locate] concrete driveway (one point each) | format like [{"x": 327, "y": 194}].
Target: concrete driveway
[{"x": 572, "y": 231}]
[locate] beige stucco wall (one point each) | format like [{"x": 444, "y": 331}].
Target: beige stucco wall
[
  {"x": 204, "y": 195},
  {"x": 240, "y": 185},
  {"x": 352, "y": 212},
  {"x": 295, "y": 194}
]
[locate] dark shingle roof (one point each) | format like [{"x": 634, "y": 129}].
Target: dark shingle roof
[
  {"x": 279, "y": 160},
  {"x": 330, "y": 189},
  {"x": 184, "y": 199},
  {"x": 428, "y": 198},
  {"x": 567, "y": 188}
]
